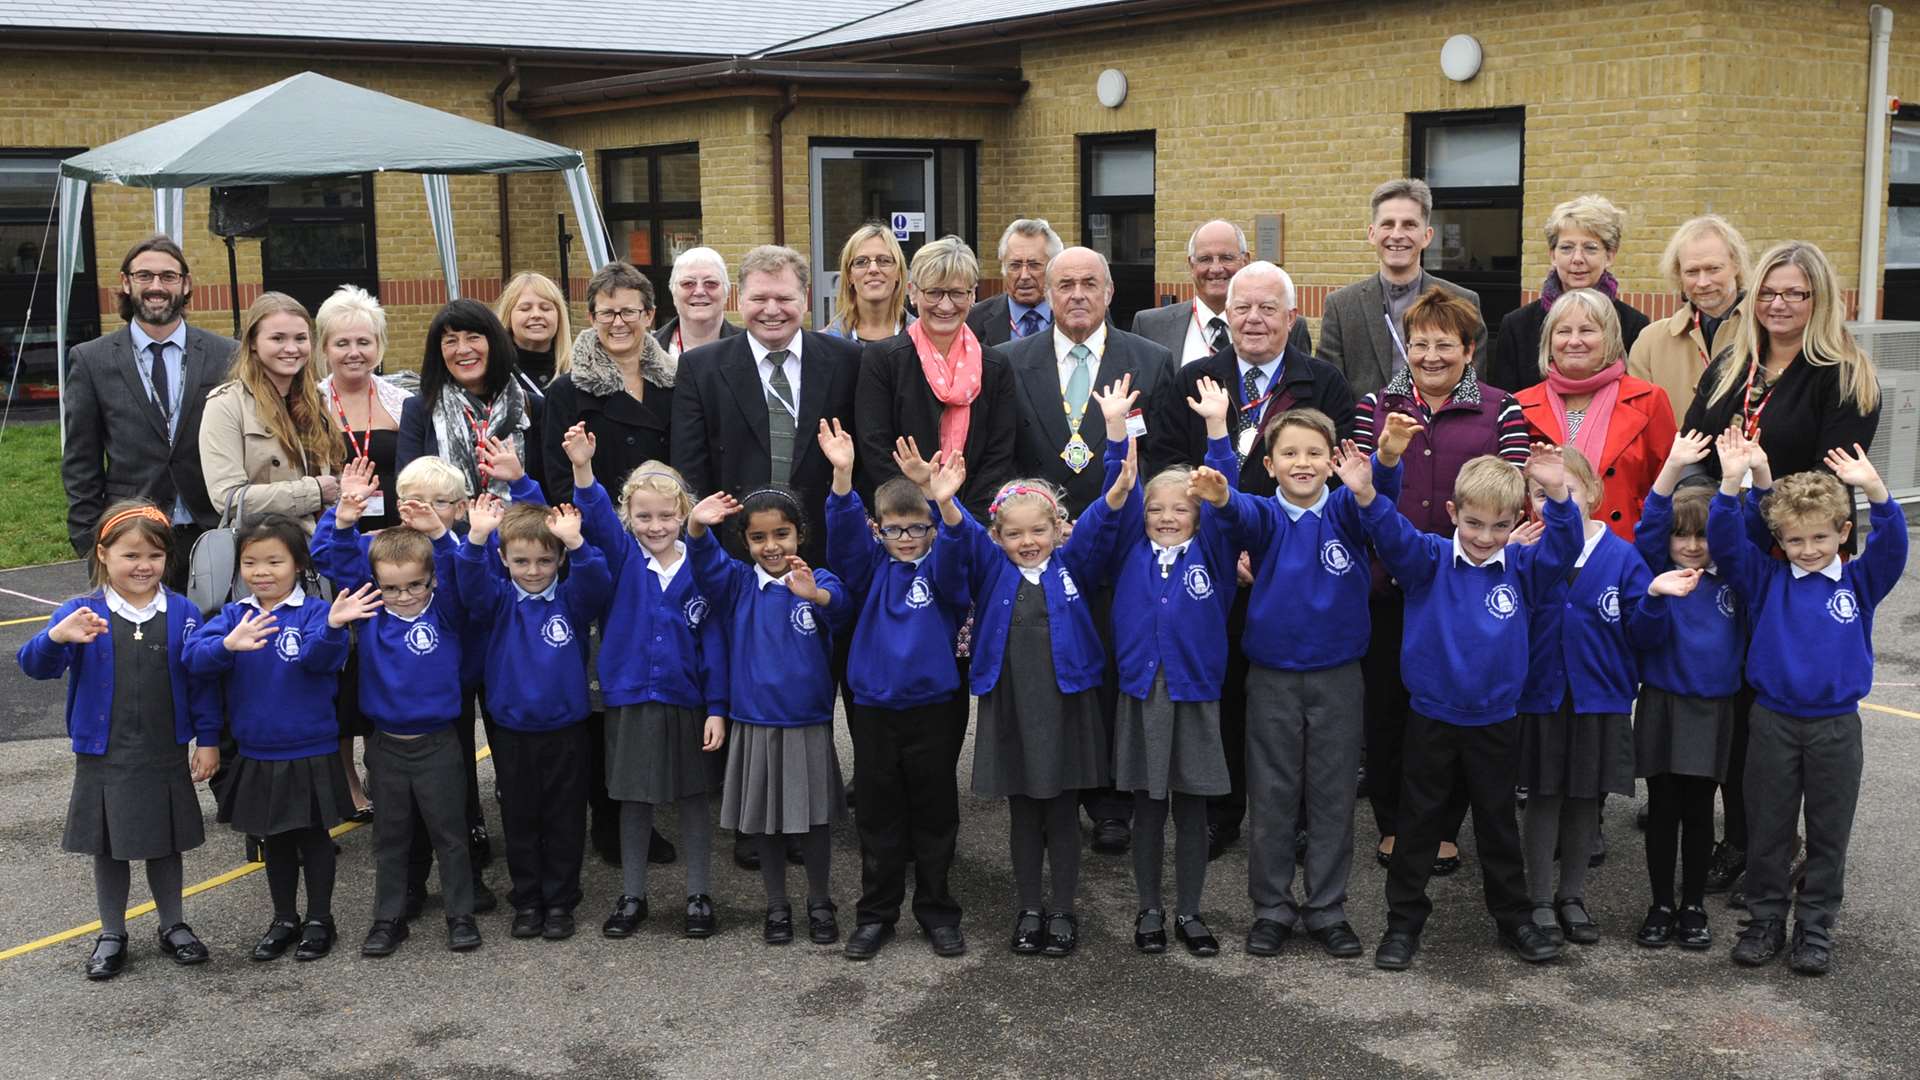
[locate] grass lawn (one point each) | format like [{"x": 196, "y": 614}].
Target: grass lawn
[{"x": 33, "y": 504}]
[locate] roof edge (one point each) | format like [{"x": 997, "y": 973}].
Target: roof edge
[
  {"x": 691, "y": 81},
  {"x": 1119, "y": 13},
  {"x": 440, "y": 52}
]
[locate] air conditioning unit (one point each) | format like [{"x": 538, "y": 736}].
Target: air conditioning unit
[{"x": 1895, "y": 349}]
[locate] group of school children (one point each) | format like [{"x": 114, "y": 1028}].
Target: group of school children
[{"x": 1530, "y": 636}]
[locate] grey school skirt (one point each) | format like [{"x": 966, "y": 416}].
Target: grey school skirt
[
  {"x": 1684, "y": 736},
  {"x": 1576, "y": 755},
  {"x": 265, "y": 798},
  {"x": 780, "y": 779},
  {"x": 654, "y": 755},
  {"x": 132, "y": 811},
  {"x": 1161, "y": 745}
]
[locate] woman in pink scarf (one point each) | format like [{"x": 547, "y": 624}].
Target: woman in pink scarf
[
  {"x": 935, "y": 384},
  {"x": 1587, "y": 400}
]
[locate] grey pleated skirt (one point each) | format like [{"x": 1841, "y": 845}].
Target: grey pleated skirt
[
  {"x": 1685, "y": 736},
  {"x": 266, "y": 798},
  {"x": 1161, "y": 745},
  {"x": 1576, "y": 755},
  {"x": 654, "y": 755},
  {"x": 132, "y": 811},
  {"x": 780, "y": 779},
  {"x": 1030, "y": 739}
]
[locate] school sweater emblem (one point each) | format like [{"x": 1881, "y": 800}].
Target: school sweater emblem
[
  {"x": 1843, "y": 606},
  {"x": 1724, "y": 600},
  {"x": 422, "y": 638},
  {"x": 556, "y": 631},
  {"x": 802, "y": 618},
  {"x": 1067, "y": 588},
  {"x": 1609, "y": 604},
  {"x": 1503, "y": 602},
  {"x": 919, "y": 593},
  {"x": 1199, "y": 582},
  {"x": 696, "y": 612},
  {"x": 1335, "y": 557},
  {"x": 286, "y": 644}
]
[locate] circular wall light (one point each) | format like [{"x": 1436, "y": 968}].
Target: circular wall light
[
  {"x": 1111, "y": 88},
  {"x": 1460, "y": 57}
]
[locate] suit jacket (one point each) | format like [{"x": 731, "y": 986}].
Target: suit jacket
[
  {"x": 992, "y": 321},
  {"x": 1043, "y": 430},
  {"x": 116, "y": 440},
  {"x": 1354, "y": 339},
  {"x": 1167, "y": 326},
  {"x": 664, "y": 336},
  {"x": 719, "y": 427},
  {"x": 1308, "y": 382},
  {"x": 893, "y": 401}
]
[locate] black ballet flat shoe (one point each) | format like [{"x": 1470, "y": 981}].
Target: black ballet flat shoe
[
  {"x": 868, "y": 939},
  {"x": 700, "y": 921},
  {"x": 1445, "y": 865},
  {"x": 1029, "y": 931},
  {"x": 463, "y": 934},
  {"x": 280, "y": 936},
  {"x": 1396, "y": 950},
  {"x": 1063, "y": 935},
  {"x": 1656, "y": 930},
  {"x": 660, "y": 850},
  {"x": 1111, "y": 836},
  {"x": 746, "y": 853},
  {"x": 1266, "y": 936},
  {"x": 316, "y": 939},
  {"x": 1194, "y": 934},
  {"x": 480, "y": 847},
  {"x": 384, "y": 937},
  {"x": 1339, "y": 940},
  {"x": 823, "y": 923},
  {"x": 527, "y": 923},
  {"x": 1579, "y": 926},
  {"x": 1150, "y": 931},
  {"x": 109, "y": 957},
  {"x": 947, "y": 941},
  {"x": 1384, "y": 858},
  {"x": 179, "y": 943},
  {"x": 559, "y": 924},
  {"x": 628, "y": 913},
  {"x": 779, "y": 927},
  {"x": 1693, "y": 932}
]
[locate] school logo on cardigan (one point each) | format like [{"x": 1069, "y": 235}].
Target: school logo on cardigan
[
  {"x": 1199, "y": 582},
  {"x": 696, "y": 612},
  {"x": 1335, "y": 557},
  {"x": 1067, "y": 587},
  {"x": 1725, "y": 601},
  {"x": 286, "y": 644},
  {"x": 1503, "y": 602},
  {"x": 919, "y": 593},
  {"x": 802, "y": 618},
  {"x": 1609, "y": 604},
  {"x": 556, "y": 631},
  {"x": 422, "y": 638},
  {"x": 1843, "y": 606}
]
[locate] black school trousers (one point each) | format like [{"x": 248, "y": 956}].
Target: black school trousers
[
  {"x": 907, "y": 807},
  {"x": 1437, "y": 757}
]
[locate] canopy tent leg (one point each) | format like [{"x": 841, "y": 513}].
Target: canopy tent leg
[
  {"x": 170, "y": 212},
  {"x": 440, "y": 211},
  {"x": 592, "y": 229},
  {"x": 73, "y": 202}
]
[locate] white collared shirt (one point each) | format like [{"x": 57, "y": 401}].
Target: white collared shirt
[
  {"x": 1498, "y": 558},
  {"x": 175, "y": 355},
  {"x": 666, "y": 573},
  {"x": 293, "y": 599},
  {"x": 1268, "y": 372},
  {"x": 1198, "y": 347},
  {"x": 548, "y": 593},
  {"x": 762, "y": 579},
  {"x": 1062, "y": 345},
  {"x": 1295, "y": 513},
  {"x": 791, "y": 365},
  {"x": 118, "y": 605},
  {"x": 1831, "y": 571},
  {"x": 1586, "y": 550},
  {"x": 1167, "y": 556},
  {"x": 1032, "y": 573}
]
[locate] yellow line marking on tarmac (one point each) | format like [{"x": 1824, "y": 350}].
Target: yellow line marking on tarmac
[
  {"x": 1890, "y": 710},
  {"x": 214, "y": 882},
  {"x": 23, "y": 622}
]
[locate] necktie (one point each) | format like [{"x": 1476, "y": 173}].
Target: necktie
[
  {"x": 1250, "y": 387},
  {"x": 1079, "y": 384},
  {"x": 1029, "y": 323},
  {"x": 157, "y": 378},
  {"x": 780, "y": 417},
  {"x": 1216, "y": 333}
]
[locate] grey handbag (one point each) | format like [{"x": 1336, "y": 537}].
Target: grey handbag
[{"x": 213, "y": 574}]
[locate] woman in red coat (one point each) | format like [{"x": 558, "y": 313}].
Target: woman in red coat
[{"x": 1587, "y": 400}]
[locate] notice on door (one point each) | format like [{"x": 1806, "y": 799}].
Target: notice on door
[{"x": 908, "y": 222}]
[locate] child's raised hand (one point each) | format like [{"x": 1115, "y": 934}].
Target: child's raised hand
[
  {"x": 483, "y": 517},
  {"x": 1548, "y": 468},
  {"x": 948, "y": 478},
  {"x": 837, "y": 444},
  {"x": 1214, "y": 403},
  {"x": 1856, "y": 471},
  {"x": 714, "y": 509},
  {"x": 1354, "y": 468},
  {"x": 351, "y": 607},
  {"x": 358, "y": 482},
  {"x": 1674, "y": 583},
  {"x": 906, "y": 458},
  {"x": 1736, "y": 454},
  {"x": 1208, "y": 484},
  {"x": 563, "y": 522},
  {"x": 1117, "y": 400},
  {"x": 579, "y": 444},
  {"x": 714, "y": 735},
  {"x": 250, "y": 634},
  {"x": 80, "y": 627},
  {"x": 419, "y": 517},
  {"x": 1400, "y": 431},
  {"x": 800, "y": 582},
  {"x": 499, "y": 461},
  {"x": 1129, "y": 472},
  {"x": 1689, "y": 448},
  {"x": 1527, "y": 533}
]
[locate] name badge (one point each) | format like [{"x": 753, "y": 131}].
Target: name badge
[
  {"x": 1078, "y": 455},
  {"x": 1136, "y": 424},
  {"x": 1248, "y": 436},
  {"x": 376, "y": 505}
]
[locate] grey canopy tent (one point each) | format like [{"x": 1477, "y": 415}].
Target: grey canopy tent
[{"x": 306, "y": 126}]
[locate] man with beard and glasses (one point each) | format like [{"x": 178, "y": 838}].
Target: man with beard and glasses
[{"x": 133, "y": 404}]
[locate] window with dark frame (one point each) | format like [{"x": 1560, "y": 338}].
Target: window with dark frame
[
  {"x": 29, "y": 230},
  {"x": 1116, "y": 214},
  {"x": 652, "y": 207},
  {"x": 1900, "y": 295},
  {"x": 320, "y": 236},
  {"x": 1474, "y": 162}
]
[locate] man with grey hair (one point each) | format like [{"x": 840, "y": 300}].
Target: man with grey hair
[
  {"x": 1362, "y": 332},
  {"x": 1021, "y": 308},
  {"x": 699, "y": 287},
  {"x": 1197, "y": 328}
]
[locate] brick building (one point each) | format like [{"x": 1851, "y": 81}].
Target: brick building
[{"x": 733, "y": 122}]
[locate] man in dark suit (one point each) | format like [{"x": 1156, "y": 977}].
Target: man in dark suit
[
  {"x": 133, "y": 403},
  {"x": 747, "y": 408},
  {"x": 1363, "y": 330},
  {"x": 1061, "y": 435},
  {"x": 1196, "y": 329},
  {"x": 1266, "y": 378},
  {"x": 1021, "y": 308}
]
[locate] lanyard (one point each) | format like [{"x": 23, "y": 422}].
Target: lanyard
[
  {"x": 1700, "y": 343},
  {"x": 360, "y": 446},
  {"x": 1747, "y": 408},
  {"x": 481, "y": 429},
  {"x": 679, "y": 346}
]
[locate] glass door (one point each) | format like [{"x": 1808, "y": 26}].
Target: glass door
[
  {"x": 1473, "y": 161},
  {"x": 852, "y": 185}
]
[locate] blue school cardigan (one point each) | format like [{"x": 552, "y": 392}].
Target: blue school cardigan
[
  {"x": 1693, "y": 645},
  {"x": 902, "y": 654},
  {"x": 780, "y": 647},
  {"x": 280, "y": 699},
  {"x": 1582, "y": 640},
  {"x": 196, "y": 702},
  {"x": 534, "y": 647},
  {"x": 410, "y": 669}
]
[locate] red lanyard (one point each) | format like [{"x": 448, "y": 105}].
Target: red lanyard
[
  {"x": 1748, "y": 409},
  {"x": 360, "y": 446},
  {"x": 1701, "y": 342},
  {"x": 481, "y": 429},
  {"x": 678, "y": 343}
]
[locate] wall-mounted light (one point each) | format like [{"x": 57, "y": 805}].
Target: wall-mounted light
[
  {"x": 1111, "y": 88},
  {"x": 1460, "y": 57}
]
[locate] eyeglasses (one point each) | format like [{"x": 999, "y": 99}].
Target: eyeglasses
[
  {"x": 401, "y": 592},
  {"x": 1437, "y": 348},
  {"x": 937, "y": 297},
  {"x": 895, "y": 532},
  {"x": 884, "y": 262},
  {"x": 1590, "y": 249},
  {"x": 1017, "y": 265},
  {"x": 1791, "y": 296},
  {"x": 605, "y": 316},
  {"x": 148, "y": 277}
]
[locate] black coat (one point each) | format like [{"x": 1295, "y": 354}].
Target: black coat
[
  {"x": 1806, "y": 416},
  {"x": 893, "y": 401},
  {"x": 627, "y": 433},
  {"x": 1514, "y": 362},
  {"x": 1309, "y": 382},
  {"x": 719, "y": 425},
  {"x": 417, "y": 439}
]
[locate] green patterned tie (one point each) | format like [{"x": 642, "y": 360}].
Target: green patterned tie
[
  {"x": 780, "y": 417},
  {"x": 1079, "y": 385}
]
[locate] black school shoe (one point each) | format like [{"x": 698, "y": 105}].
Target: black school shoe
[
  {"x": 823, "y": 923},
  {"x": 1339, "y": 940},
  {"x": 1029, "y": 931},
  {"x": 746, "y": 853},
  {"x": 1194, "y": 934},
  {"x": 1063, "y": 935},
  {"x": 559, "y": 924},
  {"x": 463, "y": 934},
  {"x": 779, "y": 927},
  {"x": 628, "y": 913},
  {"x": 527, "y": 923},
  {"x": 1728, "y": 863},
  {"x": 1219, "y": 837},
  {"x": 384, "y": 937},
  {"x": 1808, "y": 957},
  {"x": 1150, "y": 931},
  {"x": 316, "y": 939},
  {"x": 479, "y": 847},
  {"x": 1575, "y": 922},
  {"x": 280, "y": 936},
  {"x": 868, "y": 939},
  {"x": 1265, "y": 937},
  {"x": 178, "y": 943},
  {"x": 1396, "y": 950},
  {"x": 483, "y": 899},
  {"x": 1530, "y": 943},
  {"x": 109, "y": 957},
  {"x": 700, "y": 922},
  {"x": 947, "y": 941},
  {"x": 1693, "y": 932},
  {"x": 1656, "y": 930},
  {"x": 1760, "y": 942}
]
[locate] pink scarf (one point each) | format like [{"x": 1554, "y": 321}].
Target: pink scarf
[
  {"x": 1604, "y": 385},
  {"x": 955, "y": 379}
]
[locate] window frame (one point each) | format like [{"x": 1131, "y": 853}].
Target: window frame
[
  {"x": 321, "y": 282},
  {"x": 654, "y": 211},
  {"x": 1136, "y": 279},
  {"x": 84, "y": 311},
  {"x": 1491, "y": 284}
]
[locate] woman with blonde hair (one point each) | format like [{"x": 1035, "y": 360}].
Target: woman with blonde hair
[
  {"x": 1583, "y": 240},
  {"x": 535, "y": 313},
  {"x": 872, "y": 302}
]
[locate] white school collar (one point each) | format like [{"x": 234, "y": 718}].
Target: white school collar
[
  {"x": 118, "y": 605},
  {"x": 1498, "y": 558},
  {"x": 1032, "y": 573},
  {"x": 293, "y": 599},
  {"x": 1295, "y": 513},
  {"x": 1831, "y": 571}
]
